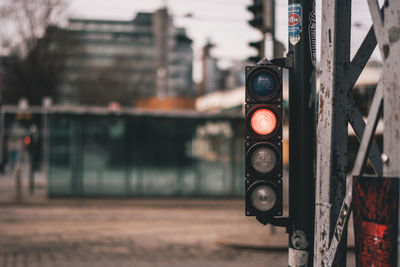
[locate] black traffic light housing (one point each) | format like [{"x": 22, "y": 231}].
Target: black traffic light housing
[
  {"x": 263, "y": 142},
  {"x": 259, "y": 46},
  {"x": 257, "y": 8}
]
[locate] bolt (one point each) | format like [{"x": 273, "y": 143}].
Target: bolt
[
  {"x": 385, "y": 158},
  {"x": 247, "y": 143},
  {"x": 247, "y": 99},
  {"x": 247, "y": 213},
  {"x": 247, "y": 137},
  {"x": 247, "y": 174}
]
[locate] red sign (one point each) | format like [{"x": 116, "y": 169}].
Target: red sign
[
  {"x": 293, "y": 19},
  {"x": 376, "y": 204}
]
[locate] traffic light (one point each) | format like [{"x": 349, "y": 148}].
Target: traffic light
[
  {"x": 263, "y": 15},
  {"x": 257, "y": 9},
  {"x": 263, "y": 145},
  {"x": 259, "y": 46}
]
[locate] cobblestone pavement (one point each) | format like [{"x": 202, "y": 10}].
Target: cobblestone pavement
[{"x": 134, "y": 233}]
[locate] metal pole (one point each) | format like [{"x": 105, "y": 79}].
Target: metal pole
[
  {"x": 390, "y": 78},
  {"x": 302, "y": 131}
]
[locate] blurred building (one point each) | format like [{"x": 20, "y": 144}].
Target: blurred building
[
  {"x": 216, "y": 79},
  {"x": 211, "y": 74},
  {"x": 125, "y": 61}
]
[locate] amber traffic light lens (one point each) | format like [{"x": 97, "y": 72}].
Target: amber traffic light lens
[{"x": 263, "y": 159}]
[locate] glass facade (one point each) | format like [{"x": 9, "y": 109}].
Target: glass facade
[{"x": 145, "y": 156}]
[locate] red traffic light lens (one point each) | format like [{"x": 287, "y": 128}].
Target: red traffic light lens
[
  {"x": 263, "y": 121},
  {"x": 27, "y": 140}
]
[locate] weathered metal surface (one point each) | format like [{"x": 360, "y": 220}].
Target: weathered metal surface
[
  {"x": 324, "y": 135},
  {"x": 332, "y": 124},
  {"x": 390, "y": 44},
  {"x": 386, "y": 25},
  {"x": 373, "y": 118},
  {"x": 358, "y": 124},
  {"x": 342, "y": 220}
]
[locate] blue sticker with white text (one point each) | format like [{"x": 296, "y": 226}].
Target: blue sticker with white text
[{"x": 294, "y": 23}]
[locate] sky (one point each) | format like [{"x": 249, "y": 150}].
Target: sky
[{"x": 224, "y": 22}]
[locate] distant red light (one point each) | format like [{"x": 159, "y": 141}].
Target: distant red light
[
  {"x": 263, "y": 121},
  {"x": 27, "y": 140}
]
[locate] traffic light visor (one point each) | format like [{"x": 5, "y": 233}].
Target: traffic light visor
[
  {"x": 263, "y": 84},
  {"x": 263, "y": 121},
  {"x": 263, "y": 159},
  {"x": 263, "y": 197}
]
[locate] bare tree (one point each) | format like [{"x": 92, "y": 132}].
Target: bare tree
[
  {"x": 35, "y": 48},
  {"x": 25, "y": 21}
]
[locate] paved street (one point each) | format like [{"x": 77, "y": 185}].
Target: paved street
[
  {"x": 133, "y": 233},
  {"x": 136, "y": 233},
  {"x": 36, "y": 231}
]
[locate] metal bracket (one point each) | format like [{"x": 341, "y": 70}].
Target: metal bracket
[
  {"x": 283, "y": 62},
  {"x": 280, "y": 221}
]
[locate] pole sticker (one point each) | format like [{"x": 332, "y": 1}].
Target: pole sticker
[
  {"x": 312, "y": 35},
  {"x": 294, "y": 23}
]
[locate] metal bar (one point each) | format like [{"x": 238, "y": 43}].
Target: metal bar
[
  {"x": 361, "y": 58},
  {"x": 377, "y": 21},
  {"x": 373, "y": 118},
  {"x": 391, "y": 80},
  {"x": 342, "y": 220},
  {"x": 358, "y": 125},
  {"x": 302, "y": 137},
  {"x": 324, "y": 134},
  {"x": 332, "y": 125},
  {"x": 135, "y": 112}
]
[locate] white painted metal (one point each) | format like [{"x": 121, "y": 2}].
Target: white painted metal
[
  {"x": 324, "y": 134},
  {"x": 390, "y": 44},
  {"x": 387, "y": 32},
  {"x": 359, "y": 163}
]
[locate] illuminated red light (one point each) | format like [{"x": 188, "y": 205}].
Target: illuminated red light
[
  {"x": 263, "y": 121},
  {"x": 27, "y": 140}
]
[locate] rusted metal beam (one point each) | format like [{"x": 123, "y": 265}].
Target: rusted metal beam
[
  {"x": 332, "y": 128},
  {"x": 344, "y": 214},
  {"x": 386, "y": 24},
  {"x": 358, "y": 124}
]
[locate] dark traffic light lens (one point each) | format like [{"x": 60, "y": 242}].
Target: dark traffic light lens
[
  {"x": 263, "y": 159},
  {"x": 263, "y": 84},
  {"x": 263, "y": 198},
  {"x": 263, "y": 121}
]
